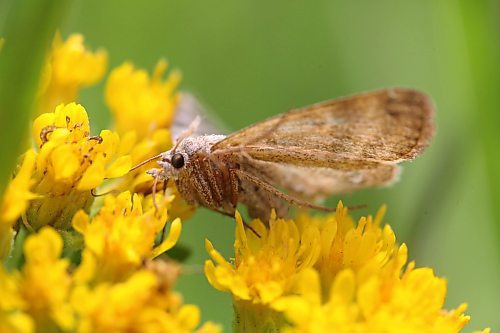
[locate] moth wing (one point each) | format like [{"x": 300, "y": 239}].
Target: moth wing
[
  {"x": 318, "y": 182},
  {"x": 354, "y": 133},
  {"x": 188, "y": 108}
]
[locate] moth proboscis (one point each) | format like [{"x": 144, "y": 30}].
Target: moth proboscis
[{"x": 302, "y": 155}]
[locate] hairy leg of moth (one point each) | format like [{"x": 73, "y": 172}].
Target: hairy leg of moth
[
  {"x": 153, "y": 195},
  {"x": 245, "y": 225},
  {"x": 157, "y": 174},
  {"x": 242, "y": 175},
  {"x": 260, "y": 202}
]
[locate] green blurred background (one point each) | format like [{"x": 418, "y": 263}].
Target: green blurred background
[{"x": 247, "y": 60}]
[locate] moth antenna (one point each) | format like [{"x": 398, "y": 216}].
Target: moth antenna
[
  {"x": 356, "y": 207},
  {"x": 146, "y": 161},
  {"x": 190, "y": 130}
]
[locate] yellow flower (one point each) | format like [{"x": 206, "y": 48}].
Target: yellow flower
[
  {"x": 323, "y": 274},
  {"x": 265, "y": 268},
  {"x": 364, "y": 247},
  {"x": 15, "y": 201},
  {"x": 143, "y": 109},
  {"x": 138, "y": 304},
  {"x": 140, "y": 103},
  {"x": 69, "y": 164},
  {"x": 70, "y": 67},
  {"x": 46, "y": 284},
  {"x": 410, "y": 303},
  {"x": 13, "y": 317},
  {"x": 47, "y": 296},
  {"x": 121, "y": 236}
]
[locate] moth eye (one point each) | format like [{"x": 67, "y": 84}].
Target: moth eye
[{"x": 177, "y": 160}]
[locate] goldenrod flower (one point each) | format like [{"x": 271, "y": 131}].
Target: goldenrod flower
[
  {"x": 69, "y": 164},
  {"x": 140, "y": 103},
  {"x": 47, "y": 297},
  {"x": 365, "y": 247},
  {"x": 70, "y": 67},
  {"x": 143, "y": 109},
  {"x": 15, "y": 201},
  {"x": 266, "y": 268},
  {"x": 410, "y": 303},
  {"x": 136, "y": 305},
  {"x": 328, "y": 274},
  {"x": 13, "y": 318},
  {"x": 122, "y": 235},
  {"x": 46, "y": 284}
]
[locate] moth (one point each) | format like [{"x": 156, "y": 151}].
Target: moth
[{"x": 300, "y": 156}]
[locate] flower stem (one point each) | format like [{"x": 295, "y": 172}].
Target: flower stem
[
  {"x": 27, "y": 32},
  {"x": 250, "y": 317}
]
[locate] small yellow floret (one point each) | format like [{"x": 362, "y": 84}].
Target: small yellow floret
[
  {"x": 122, "y": 235},
  {"x": 70, "y": 67},
  {"x": 69, "y": 164}
]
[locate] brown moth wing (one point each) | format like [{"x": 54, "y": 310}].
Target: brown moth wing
[
  {"x": 352, "y": 133},
  {"x": 319, "y": 183}
]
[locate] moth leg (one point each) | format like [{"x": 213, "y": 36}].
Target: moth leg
[
  {"x": 271, "y": 189},
  {"x": 249, "y": 227},
  {"x": 165, "y": 184},
  {"x": 245, "y": 225},
  {"x": 153, "y": 194},
  {"x": 235, "y": 185},
  {"x": 157, "y": 174}
]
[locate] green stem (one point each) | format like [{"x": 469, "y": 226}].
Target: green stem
[
  {"x": 28, "y": 30},
  {"x": 249, "y": 317},
  {"x": 16, "y": 258}
]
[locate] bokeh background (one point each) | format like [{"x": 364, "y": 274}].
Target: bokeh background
[{"x": 247, "y": 60}]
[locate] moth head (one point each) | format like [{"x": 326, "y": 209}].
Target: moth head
[
  {"x": 178, "y": 159},
  {"x": 174, "y": 161},
  {"x": 171, "y": 163}
]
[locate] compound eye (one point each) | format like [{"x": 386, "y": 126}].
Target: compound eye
[{"x": 177, "y": 160}]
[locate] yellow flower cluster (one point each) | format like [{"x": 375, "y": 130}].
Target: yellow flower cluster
[
  {"x": 329, "y": 274},
  {"x": 15, "y": 201},
  {"x": 93, "y": 272},
  {"x": 69, "y": 67},
  {"x": 122, "y": 235},
  {"x": 140, "y": 103},
  {"x": 47, "y": 296},
  {"x": 143, "y": 109},
  {"x": 69, "y": 164}
]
